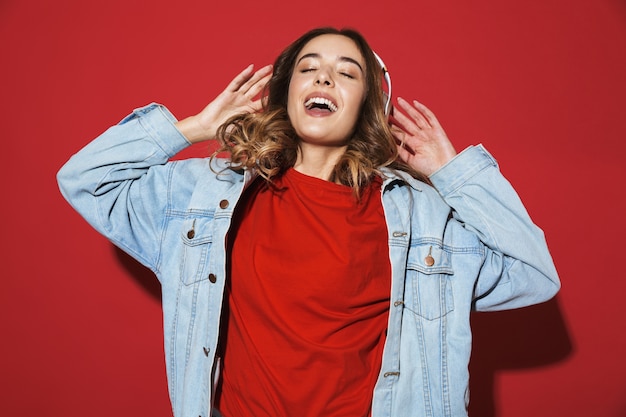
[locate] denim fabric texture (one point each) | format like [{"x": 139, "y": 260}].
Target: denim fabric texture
[{"x": 468, "y": 243}]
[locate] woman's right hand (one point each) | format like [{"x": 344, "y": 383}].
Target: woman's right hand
[{"x": 240, "y": 96}]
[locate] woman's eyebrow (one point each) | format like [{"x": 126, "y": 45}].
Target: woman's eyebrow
[{"x": 341, "y": 58}]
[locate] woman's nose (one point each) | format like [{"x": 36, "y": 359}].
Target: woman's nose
[{"x": 323, "y": 78}]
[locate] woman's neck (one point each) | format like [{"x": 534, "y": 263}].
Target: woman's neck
[{"x": 318, "y": 161}]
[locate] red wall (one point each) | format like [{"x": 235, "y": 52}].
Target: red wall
[{"x": 541, "y": 84}]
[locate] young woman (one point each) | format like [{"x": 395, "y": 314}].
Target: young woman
[{"x": 328, "y": 267}]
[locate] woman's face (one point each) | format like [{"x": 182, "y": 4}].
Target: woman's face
[{"x": 327, "y": 90}]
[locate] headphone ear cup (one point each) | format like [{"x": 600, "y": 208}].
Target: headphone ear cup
[{"x": 385, "y": 99}]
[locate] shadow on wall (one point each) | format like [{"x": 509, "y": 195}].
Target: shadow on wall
[
  {"x": 525, "y": 338},
  {"x": 144, "y": 277},
  {"x": 515, "y": 339}
]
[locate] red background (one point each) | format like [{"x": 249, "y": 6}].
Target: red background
[{"x": 541, "y": 84}]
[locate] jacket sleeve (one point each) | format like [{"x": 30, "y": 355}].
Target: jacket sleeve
[
  {"x": 119, "y": 182},
  {"x": 518, "y": 269}
]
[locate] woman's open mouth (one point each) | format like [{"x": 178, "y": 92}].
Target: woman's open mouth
[{"x": 320, "y": 104}]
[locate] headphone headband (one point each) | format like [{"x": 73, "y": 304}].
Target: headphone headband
[{"x": 387, "y": 78}]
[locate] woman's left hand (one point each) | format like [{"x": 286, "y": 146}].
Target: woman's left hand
[{"x": 422, "y": 142}]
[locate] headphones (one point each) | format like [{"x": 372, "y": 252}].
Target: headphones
[{"x": 387, "y": 78}]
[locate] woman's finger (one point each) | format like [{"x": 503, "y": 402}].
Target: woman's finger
[
  {"x": 256, "y": 105},
  {"x": 240, "y": 79},
  {"x": 256, "y": 82},
  {"x": 414, "y": 113},
  {"x": 403, "y": 122},
  {"x": 258, "y": 86},
  {"x": 427, "y": 113},
  {"x": 404, "y": 152}
]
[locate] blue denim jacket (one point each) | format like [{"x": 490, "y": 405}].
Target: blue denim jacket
[{"x": 173, "y": 217}]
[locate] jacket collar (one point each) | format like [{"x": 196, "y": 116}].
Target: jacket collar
[
  {"x": 389, "y": 177},
  {"x": 393, "y": 176}
]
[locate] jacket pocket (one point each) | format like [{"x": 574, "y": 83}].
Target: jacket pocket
[
  {"x": 196, "y": 235},
  {"x": 429, "y": 282}
]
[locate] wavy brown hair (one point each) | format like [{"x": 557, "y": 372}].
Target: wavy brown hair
[{"x": 267, "y": 142}]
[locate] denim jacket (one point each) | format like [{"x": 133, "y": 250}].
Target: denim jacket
[{"x": 467, "y": 244}]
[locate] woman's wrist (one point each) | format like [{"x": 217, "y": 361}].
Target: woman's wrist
[{"x": 191, "y": 128}]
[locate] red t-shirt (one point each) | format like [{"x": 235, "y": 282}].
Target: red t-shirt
[{"x": 307, "y": 300}]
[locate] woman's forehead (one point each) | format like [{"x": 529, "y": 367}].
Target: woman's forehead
[{"x": 333, "y": 47}]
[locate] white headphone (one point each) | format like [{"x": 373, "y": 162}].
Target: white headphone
[{"x": 386, "y": 94}]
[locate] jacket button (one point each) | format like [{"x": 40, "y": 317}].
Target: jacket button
[
  {"x": 429, "y": 260},
  {"x": 191, "y": 234},
  {"x": 212, "y": 278},
  {"x": 223, "y": 204}
]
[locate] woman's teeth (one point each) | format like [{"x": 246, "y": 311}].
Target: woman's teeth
[{"x": 319, "y": 101}]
